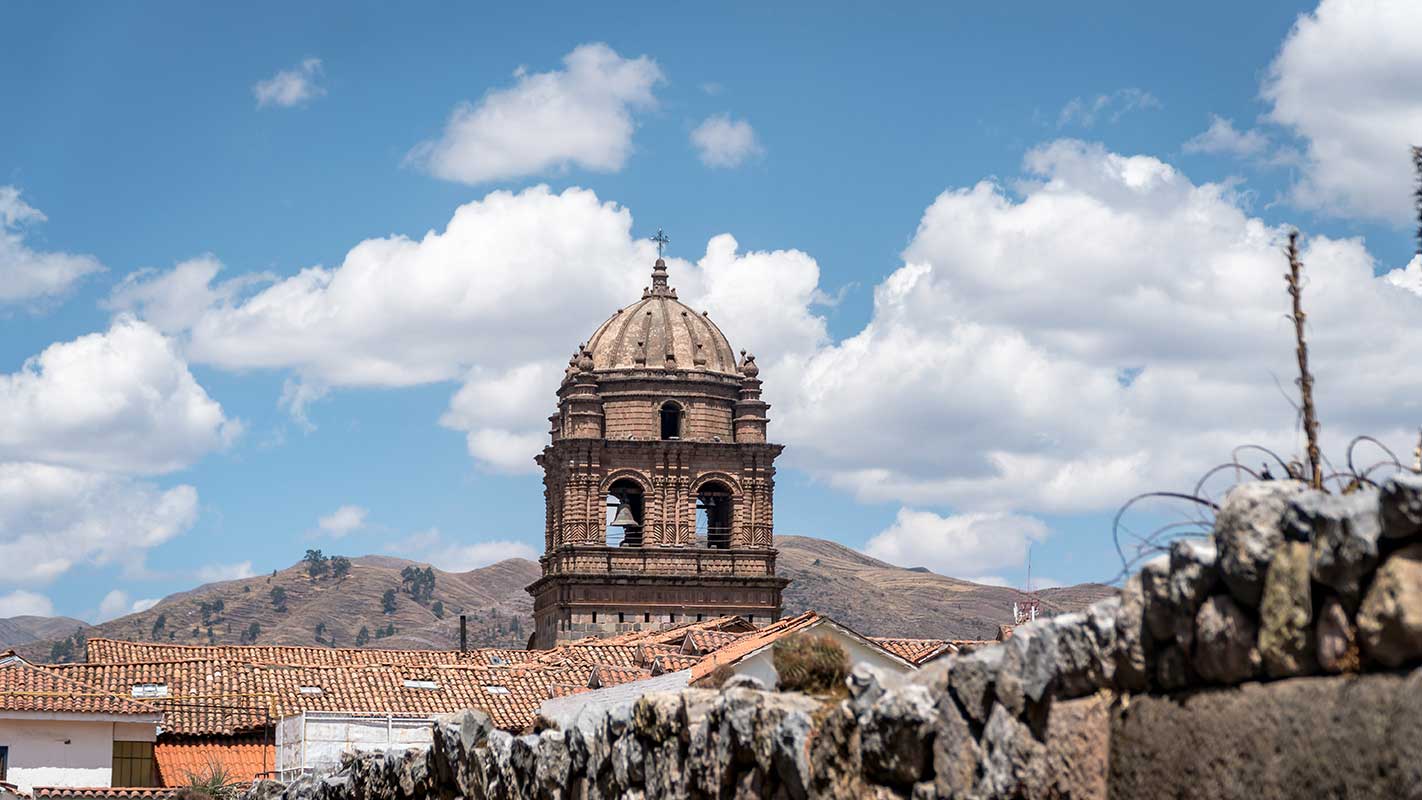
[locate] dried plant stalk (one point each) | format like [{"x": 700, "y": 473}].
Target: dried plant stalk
[
  {"x": 1305, "y": 381},
  {"x": 1417, "y": 193}
]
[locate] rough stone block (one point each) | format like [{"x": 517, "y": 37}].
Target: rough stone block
[
  {"x": 1344, "y": 530},
  {"x": 1247, "y": 529},
  {"x": 1337, "y": 638},
  {"x": 1401, "y": 506},
  {"x": 1390, "y": 619},
  {"x": 972, "y": 680},
  {"x": 1192, "y": 577},
  {"x": 1286, "y": 613},
  {"x": 1225, "y": 650},
  {"x": 1132, "y": 668}
]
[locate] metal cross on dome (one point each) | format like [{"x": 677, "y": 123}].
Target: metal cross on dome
[{"x": 661, "y": 239}]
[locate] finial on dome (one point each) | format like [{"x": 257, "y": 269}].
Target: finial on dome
[
  {"x": 748, "y": 367},
  {"x": 585, "y": 359},
  {"x": 659, "y": 269}
]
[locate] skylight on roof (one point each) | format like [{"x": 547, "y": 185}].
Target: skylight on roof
[
  {"x": 310, "y": 690},
  {"x": 496, "y": 689},
  {"x": 420, "y": 684},
  {"x": 150, "y": 690}
]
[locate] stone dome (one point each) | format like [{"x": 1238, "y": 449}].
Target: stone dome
[{"x": 659, "y": 332}]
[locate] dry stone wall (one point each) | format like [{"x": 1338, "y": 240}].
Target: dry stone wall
[{"x": 1276, "y": 660}]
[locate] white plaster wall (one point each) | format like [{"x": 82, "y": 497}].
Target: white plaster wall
[
  {"x": 40, "y": 757},
  {"x": 762, "y": 664}
]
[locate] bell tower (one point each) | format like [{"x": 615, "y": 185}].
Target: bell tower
[{"x": 658, "y": 480}]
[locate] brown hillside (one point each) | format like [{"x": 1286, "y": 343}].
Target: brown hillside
[
  {"x": 17, "y": 631},
  {"x": 870, "y": 596},
  {"x": 879, "y": 599},
  {"x": 493, "y": 597}
]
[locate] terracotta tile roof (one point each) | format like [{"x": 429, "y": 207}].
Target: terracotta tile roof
[
  {"x": 243, "y": 758},
  {"x": 604, "y": 675},
  {"x": 115, "y": 651},
  {"x": 673, "y": 662},
  {"x": 565, "y": 689},
  {"x": 916, "y": 651},
  {"x": 701, "y": 642},
  {"x": 224, "y": 690},
  {"x": 746, "y": 645},
  {"x": 26, "y": 687},
  {"x": 111, "y": 793},
  {"x": 225, "y": 697}
]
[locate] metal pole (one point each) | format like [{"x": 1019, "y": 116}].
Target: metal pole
[{"x": 463, "y": 633}]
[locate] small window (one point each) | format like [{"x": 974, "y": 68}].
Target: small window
[
  {"x": 671, "y": 420},
  {"x": 619, "y": 617},
  {"x": 647, "y": 617},
  {"x": 4, "y": 762},
  {"x": 311, "y": 690},
  {"x": 150, "y": 690},
  {"x": 496, "y": 689},
  {"x": 419, "y": 684}
]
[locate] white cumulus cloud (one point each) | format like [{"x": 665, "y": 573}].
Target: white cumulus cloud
[
  {"x": 27, "y": 274},
  {"x": 79, "y": 424},
  {"x": 997, "y": 349},
  {"x": 962, "y": 546},
  {"x": 212, "y": 573},
  {"x": 55, "y": 518},
  {"x": 433, "y": 547},
  {"x": 581, "y": 115},
  {"x": 343, "y": 521},
  {"x": 118, "y": 603},
  {"x": 1348, "y": 80},
  {"x": 725, "y": 142},
  {"x": 291, "y": 87},
  {"x": 1223, "y": 138},
  {"x": 22, "y": 603},
  {"x": 120, "y": 401},
  {"x": 1087, "y": 111}
]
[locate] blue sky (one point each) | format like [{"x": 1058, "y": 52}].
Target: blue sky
[{"x": 972, "y": 410}]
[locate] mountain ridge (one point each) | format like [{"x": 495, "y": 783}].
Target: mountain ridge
[{"x": 870, "y": 596}]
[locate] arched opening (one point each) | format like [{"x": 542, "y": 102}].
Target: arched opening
[
  {"x": 713, "y": 515},
  {"x": 625, "y": 510},
  {"x": 671, "y": 420}
]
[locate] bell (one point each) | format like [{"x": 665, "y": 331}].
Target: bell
[{"x": 624, "y": 517}]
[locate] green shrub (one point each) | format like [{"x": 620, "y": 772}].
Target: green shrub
[{"x": 812, "y": 664}]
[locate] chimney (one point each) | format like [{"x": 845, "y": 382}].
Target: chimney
[{"x": 463, "y": 633}]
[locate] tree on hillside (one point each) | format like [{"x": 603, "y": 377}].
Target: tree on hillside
[
  {"x": 438, "y": 609},
  {"x": 250, "y": 635},
  {"x": 387, "y": 601},
  {"x": 159, "y": 624},
  {"x": 279, "y": 600},
  {"x": 419, "y": 583},
  {"x": 316, "y": 564},
  {"x": 363, "y": 637},
  {"x": 340, "y": 567},
  {"x": 320, "y": 630}
]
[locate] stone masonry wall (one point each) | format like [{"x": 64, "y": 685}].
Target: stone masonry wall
[{"x": 1278, "y": 660}]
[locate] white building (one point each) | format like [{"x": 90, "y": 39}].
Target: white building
[
  {"x": 314, "y": 741},
  {"x": 754, "y": 655},
  {"x": 59, "y": 732}
]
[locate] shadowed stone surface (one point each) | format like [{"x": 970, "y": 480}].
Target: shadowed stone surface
[
  {"x": 1337, "y": 638},
  {"x": 1318, "y": 737},
  {"x": 1344, "y": 530},
  {"x": 1402, "y": 506},
  {"x": 1225, "y": 650}
]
